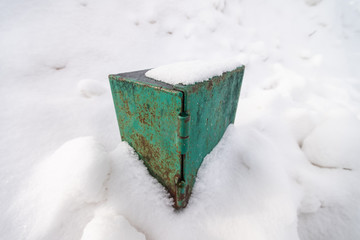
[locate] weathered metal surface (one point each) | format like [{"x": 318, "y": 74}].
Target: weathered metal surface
[{"x": 173, "y": 127}]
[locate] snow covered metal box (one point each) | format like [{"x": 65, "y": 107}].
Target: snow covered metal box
[{"x": 173, "y": 127}]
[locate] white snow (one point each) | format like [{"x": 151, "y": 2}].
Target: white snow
[
  {"x": 106, "y": 225},
  {"x": 335, "y": 143},
  {"x": 191, "y": 72},
  {"x": 63, "y": 190},
  {"x": 91, "y": 88},
  {"x": 288, "y": 168},
  {"x": 312, "y": 2}
]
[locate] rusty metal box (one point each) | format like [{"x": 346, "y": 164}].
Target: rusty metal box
[{"x": 173, "y": 127}]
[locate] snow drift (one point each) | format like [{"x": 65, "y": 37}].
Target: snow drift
[{"x": 287, "y": 169}]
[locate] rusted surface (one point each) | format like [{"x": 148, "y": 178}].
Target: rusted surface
[
  {"x": 212, "y": 106},
  {"x": 147, "y": 117},
  {"x": 173, "y": 128},
  {"x": 148, "y": 151}
]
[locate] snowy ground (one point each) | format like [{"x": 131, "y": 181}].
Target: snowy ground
[{"x": 288, "y": 168}]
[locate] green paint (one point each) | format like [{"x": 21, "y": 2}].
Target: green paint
[{"x": 173, "y": 127}]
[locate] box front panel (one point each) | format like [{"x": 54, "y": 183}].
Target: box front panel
[{"x": 148, "y": 121}]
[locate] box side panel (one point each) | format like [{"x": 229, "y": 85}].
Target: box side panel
[
  {"x": 212, "y": 107},
  {"x": 148, "y": 121}
]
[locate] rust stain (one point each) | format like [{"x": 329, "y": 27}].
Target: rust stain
[
  {"x": 209, "y": 86},
  {"x": 148, "y": 120},
  {"x": 125, "y": 103},
  {"x": 146, "y": 149}
]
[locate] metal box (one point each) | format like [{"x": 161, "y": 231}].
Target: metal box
[{"x": 173, "y": 127}]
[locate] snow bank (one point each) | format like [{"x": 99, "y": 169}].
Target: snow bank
[
  {"x": 191, "y": 72},
  {"x": 62, "y": 192},
  {"x": 106, "y": 225},
  {"x": 335, "y": 143},
  {"x": 239, "y": 192},
  {"x": 78, "y": 168}
]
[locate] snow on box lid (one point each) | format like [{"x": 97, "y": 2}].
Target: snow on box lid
[{"x": 191, "y": 72}]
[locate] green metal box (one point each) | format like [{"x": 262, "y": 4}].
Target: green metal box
[{"x": 173, "y": 127}]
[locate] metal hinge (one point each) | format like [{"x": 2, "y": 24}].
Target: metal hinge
[
  {"x": 183, "y": 132},
  {"x": 183, "y": 145}
]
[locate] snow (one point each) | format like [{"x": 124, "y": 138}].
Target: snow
[
  {"x": 191, "y": 72},
  {"x": 312, "y": 2},
  {"x": 106, "y": 225},
  {"x": 287, "y": 169},
  {"x": 341, "y": 150},
  {"x": 63, "y": 189},
  {"x": 91, "y": 88}
]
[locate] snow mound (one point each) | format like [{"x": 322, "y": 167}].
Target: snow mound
[
  {"x": 79, "y": 167},
  {"x": 84, "y": 192},
  {"x": 309, "y": 204},
  {"x": 335, "y": 143},
  {"x": 301, "y": 122},
  {"x": 191, "y": 72},
  {"x": 63, "y": 190},
  {"x": 90, "y": 88},
  {"x": 258, "y": 195},
  {"x": 108, "y": 226}
]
